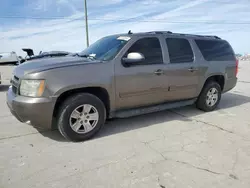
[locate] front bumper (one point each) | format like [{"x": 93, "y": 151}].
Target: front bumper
[{"x": 39, "y": 111}]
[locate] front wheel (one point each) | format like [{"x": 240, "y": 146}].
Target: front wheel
[
  {"x": 209, "y": 97},
  {"x": 81, "y": 117}
]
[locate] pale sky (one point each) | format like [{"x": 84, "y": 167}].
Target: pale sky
[{"x": 59, "y": 24}]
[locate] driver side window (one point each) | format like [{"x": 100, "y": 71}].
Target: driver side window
[{"x": 151, "y": 49}]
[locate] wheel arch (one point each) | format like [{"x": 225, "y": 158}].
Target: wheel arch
[
  {"x": 99, "y": 92},
  {"x": 219, "y": 78}
]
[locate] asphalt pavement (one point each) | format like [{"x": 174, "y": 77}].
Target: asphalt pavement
[{"x": 179, "y": 148}]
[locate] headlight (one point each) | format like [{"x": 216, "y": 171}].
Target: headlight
[{"x": 32, "y": 88}]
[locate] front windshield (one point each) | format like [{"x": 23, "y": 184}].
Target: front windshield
[{"x": 105, "y": 48}]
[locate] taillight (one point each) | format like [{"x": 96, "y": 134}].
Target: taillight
[{"x": 237, "y": 67}]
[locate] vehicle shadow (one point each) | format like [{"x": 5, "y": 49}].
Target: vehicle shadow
[
  {"x": 229, "y": 100},
  {"x": 117, "y": 126},
  {"x": 53, "y": 134},
  {"x": 4, "y": 88}
]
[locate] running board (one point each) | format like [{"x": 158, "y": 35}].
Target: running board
[{"x": 151, "y": 109}]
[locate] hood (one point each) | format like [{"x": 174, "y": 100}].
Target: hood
[
  {"x": 49, "y": 54},
  {"x": 39, "y": 65}
]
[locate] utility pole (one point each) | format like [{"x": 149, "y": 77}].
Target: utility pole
[{"x": 86, "y": 23}]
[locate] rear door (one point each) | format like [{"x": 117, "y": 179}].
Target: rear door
[{"x": 182, "y": 70}]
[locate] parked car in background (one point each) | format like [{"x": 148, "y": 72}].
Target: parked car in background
[
  {"x": 9, "y": 58},
  {"x": 121, "y": 76},
  {"x": 30, "y": 54}
]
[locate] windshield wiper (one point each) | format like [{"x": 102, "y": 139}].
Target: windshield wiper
[
  {"x": 74, "y": 54},
  {"x": 87, "y": 56}
]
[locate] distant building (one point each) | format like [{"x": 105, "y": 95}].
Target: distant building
[{"x": 245, "y": 57}]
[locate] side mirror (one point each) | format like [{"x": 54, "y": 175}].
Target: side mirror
[{"x": 133, "y": 58}]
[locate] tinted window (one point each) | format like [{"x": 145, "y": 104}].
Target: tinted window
[
  {"x": 150, "y": 48},
  {"x": 179, "y": 50},
  {"x": 215, "y": 50}
]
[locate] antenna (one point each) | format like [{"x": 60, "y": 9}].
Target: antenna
[{"x": 129, "y": 32}]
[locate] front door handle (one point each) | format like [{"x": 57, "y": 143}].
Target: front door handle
[
  {"x": 192, "y": 69},
  {"x": 158, "y": 72}
]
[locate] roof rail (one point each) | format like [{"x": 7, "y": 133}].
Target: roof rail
[
  {"x": 206, "y": 36},
  {"x": 217, "y": 37},
  {"x": 209, "y": 36},
  {"x": 182, "y": 34}
]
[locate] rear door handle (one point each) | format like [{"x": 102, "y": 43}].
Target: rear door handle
[
  {"x": 192, "y": 69},
  {"x": 158, "y": 72}
]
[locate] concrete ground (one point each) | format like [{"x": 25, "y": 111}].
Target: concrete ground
[{"x": 178, "y": 148}]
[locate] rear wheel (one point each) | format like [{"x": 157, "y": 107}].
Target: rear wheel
[
  {"x": 209, "y": 97},
  {"x": 81, "y": 117}
]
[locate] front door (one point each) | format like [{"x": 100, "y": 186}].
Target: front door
[{"x": 143, "y": 83}]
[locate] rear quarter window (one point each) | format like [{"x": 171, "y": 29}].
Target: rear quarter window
[{"x": 215, "y": 50}]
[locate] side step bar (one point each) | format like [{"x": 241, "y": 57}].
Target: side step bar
[{"x": 151, "y": 109}]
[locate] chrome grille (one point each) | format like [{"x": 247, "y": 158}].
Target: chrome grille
[
  {"x": 15, "y": 84},
  {"x": 16, "y": 78},
  {"x": 14, "y": 89}
]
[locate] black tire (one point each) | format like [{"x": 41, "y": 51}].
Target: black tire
[
  {"x": 201, "y": 102},
  {"x": 69, "y": 105}
]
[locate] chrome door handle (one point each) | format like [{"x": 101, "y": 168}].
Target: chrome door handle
[
  {"x": 159, "y": 72},
  {"x": 192, "y": 69}
]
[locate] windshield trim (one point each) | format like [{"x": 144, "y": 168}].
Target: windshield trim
[{"x": 108, "y": 51}]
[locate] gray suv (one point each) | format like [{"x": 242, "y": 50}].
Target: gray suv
[{"x": 122, "y": 76}]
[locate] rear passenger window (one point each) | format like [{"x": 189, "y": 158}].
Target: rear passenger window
[
  {"x": 150, "y": 48},
  {"x": 215, "y": 50},
  {"x": 179, "y": 50}
]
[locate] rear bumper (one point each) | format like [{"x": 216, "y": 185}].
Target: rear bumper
[
  {"x": 230, "y": 84},
  {"x": 39, "y": 111}
]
